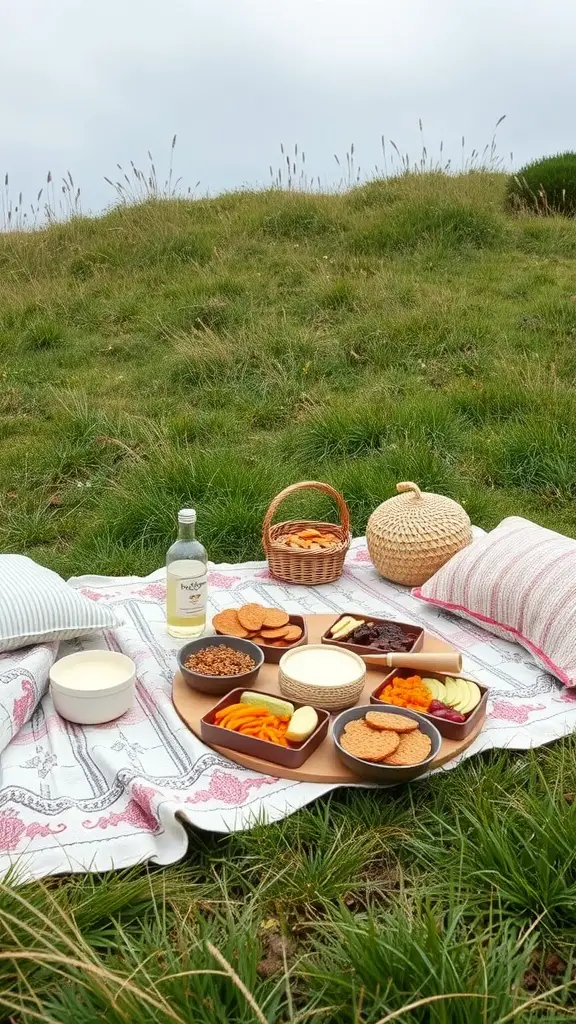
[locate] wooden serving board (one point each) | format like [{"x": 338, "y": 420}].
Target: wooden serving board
[{"x": 323, "y": 765}]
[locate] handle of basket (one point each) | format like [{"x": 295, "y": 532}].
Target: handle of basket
[
  {"x": 319, "y": 486},
  {"x": 407, "y": 485}
]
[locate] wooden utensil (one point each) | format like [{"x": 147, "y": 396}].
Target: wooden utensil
[{"x": 427, "y": 661}]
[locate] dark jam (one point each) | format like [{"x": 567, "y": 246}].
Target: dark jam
[{"x": 384, "y": 636}]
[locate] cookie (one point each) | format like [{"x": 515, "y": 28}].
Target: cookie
[
  {"x": 413, "y": 748},
  {"x": 357, "y": 725},
  {"x": 274, "y": 617},
  {"x": 292, "y": 633},
  {"x": 251, "y": 616},
  {"x": 371, "y": 745},
  {"x": 275, "y": 634},
  {"x": 387, "y": 720},
  {"x": 227, "y": 622}
]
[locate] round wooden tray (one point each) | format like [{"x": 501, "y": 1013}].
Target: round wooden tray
[{"x": 323, "y": 764}]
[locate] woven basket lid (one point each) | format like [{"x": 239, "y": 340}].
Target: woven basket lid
[{"x": 411, "y": 535}]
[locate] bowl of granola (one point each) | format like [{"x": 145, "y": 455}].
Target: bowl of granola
[{"x": 218, "y": 664}]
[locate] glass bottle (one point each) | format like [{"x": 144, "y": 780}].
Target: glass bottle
[{"x": 186, "y": 588}]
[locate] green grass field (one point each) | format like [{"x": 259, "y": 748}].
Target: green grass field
[{"x": 211, "y": 352}]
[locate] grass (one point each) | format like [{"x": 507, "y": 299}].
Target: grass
[{"x": 211, "y": 352}]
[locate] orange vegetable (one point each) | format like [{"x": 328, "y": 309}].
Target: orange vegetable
[
  {"x": 254, "y": 721},
  {"x": 226, "y": 711},
  {"x": 407, "y": 693}
]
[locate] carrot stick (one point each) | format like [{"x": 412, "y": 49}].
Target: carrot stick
[{"x": 226, "y": 711}]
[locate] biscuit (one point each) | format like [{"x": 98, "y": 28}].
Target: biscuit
[
  {"x": 251, "y": 616},
  {"x": 356, "y": 725},
  {"x": 413, "y": 748},
  {"x": 372, "y": 745},
  {"x": 275, "y": 617},
  {"x": 227, "y": 622},
  {"x": 388, "y": 720},
  {"x": 292, "y": 633},
  {"x": 275, "y": 634}
]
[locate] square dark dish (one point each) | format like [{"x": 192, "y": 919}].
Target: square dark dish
[
  {"x": 403, "y": 636},
  {"x": 289, "y": 757},
  {"x": 450, "y": 730}
]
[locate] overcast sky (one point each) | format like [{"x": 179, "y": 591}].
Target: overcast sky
[{"x": 85, "y": 84}]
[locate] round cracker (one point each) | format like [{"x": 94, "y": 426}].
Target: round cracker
[
  {"x": 356, "y": 725},
  {"x": 227, "y": 622},
  {"x": 275, "y": 634},
  {"x": 251, "y": 616},
  {"x": 389, "y": 720},
  {"x": 413, "y": 748},
  {"x": 372, "y": 745},
  {"x": 293, "y": 632},
  {"x": 275, "y": 617}
]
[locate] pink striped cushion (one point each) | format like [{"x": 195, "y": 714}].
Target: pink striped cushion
[{"x": 519, "y": 582}]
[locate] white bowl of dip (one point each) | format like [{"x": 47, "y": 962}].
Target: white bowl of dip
[
  {"x": 326, "y": 677},
  {"x": 93, "y": 687}
]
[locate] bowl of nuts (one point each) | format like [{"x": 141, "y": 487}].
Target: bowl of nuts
[{"x": 218, "y": 664}]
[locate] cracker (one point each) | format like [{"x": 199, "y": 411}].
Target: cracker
[
  {"x": 275, "y": 634},
  {"x": 274, "y": 617},
  {"x": 388, "y": 720},
  {"x": 371, "y": 745},
  {"x": 227, "y": 622},
  {"x": 251, "y": 616},
  {"x": 356, "y": 725},
  {"x": 292, "y": 633},
  {"x": 413, "y": 748}
]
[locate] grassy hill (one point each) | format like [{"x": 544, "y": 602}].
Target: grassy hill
[
  {"x": 211, "y": 352},
  {"x": 405, "y": 329}
]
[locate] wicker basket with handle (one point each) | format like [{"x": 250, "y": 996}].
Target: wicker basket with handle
[
  {"x": 307, "y": 567},
  {"x": 412, "y": 535}
]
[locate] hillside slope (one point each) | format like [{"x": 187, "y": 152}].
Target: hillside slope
[{"x": 214, "y": 351}]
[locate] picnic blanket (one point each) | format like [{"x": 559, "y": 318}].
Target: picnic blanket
[{"x": 78, "y": 798}]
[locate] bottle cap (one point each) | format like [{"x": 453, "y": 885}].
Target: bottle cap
[{"x": 187, "y": 515}]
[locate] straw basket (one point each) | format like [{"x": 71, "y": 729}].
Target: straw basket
[
  {"x": 307, "y": 567},
  {"x": 412, "y": 535}
]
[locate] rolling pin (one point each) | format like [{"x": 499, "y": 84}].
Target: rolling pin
[{"x": 420, "y": 661}]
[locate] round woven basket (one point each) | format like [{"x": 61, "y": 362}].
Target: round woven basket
[
  {"x": 412, "y": 535},
  {"x": 306, "y": 567},
  {"x": 331, "y": 698}
]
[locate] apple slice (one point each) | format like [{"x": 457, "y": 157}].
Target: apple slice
[
  {"x": 474, "y": 698},
  {"x": 436, "y": 688},
  {"x": 464, "y": 695},
  {"x": 452, "y": 692}
]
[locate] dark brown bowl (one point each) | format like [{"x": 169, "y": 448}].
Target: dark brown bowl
[
  {"x": 289, "y": 757},
  {"x": 386, "y": 774},
  {"x": 416, "y": 631},
  {"x": 273, "y": 654},
  {"x": 451, "y": 730},
  {"x": 220, "y": 684}
]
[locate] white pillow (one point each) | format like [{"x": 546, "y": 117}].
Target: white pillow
[
  {"x": 36, "y": 604},
  {"x": 518, "y": 582}
]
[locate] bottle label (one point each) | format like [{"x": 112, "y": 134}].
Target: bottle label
[{"x": 191, "y": 596}]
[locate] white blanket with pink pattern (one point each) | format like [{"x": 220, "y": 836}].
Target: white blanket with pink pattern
[{"x": 94, "y": 798}]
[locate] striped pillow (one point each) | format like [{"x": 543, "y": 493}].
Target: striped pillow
[
  {"x": 36, "y": 604},
  {"x": 519, "y": 582}
]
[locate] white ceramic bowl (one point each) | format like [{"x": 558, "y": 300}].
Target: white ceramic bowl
[{"x": 93, "y": 687}]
